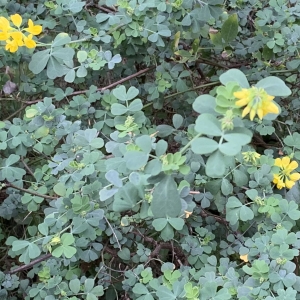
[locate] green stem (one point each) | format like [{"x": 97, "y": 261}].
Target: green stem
[
  {"x": 189, "y": 143},
  {"x": 232, "y": 170},
  {"x": 192, "y": 89}
]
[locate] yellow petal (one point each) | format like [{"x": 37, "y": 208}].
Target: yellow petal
[
  {"x": 33, "y": 29},
  {"x": 270, "y": 98},
  {"x": 278, "y": 163},
  {"x": 244, "y": 257},
  {"x": 241, "y": 94},
  {"x": 29, "y": 42},
  {"x": 4, "y": 36},
  {"x": 245, "y": 111},
  {"x": 4, "y": 24},
  {"x": 285, "y": 162},
  {"x": 252, "y": 114},
  {"x": 270, "y": 108},
  {"x": 276, "y": 178},
  {"x": 289, "y": 183},
  {"x": 187, "y": 213},
  {"x": 280, "y": 184},
  {"x": 293, "y": 165},
  {"x": 260, "y": 113},
  {"x": 17, "y": 36},
  {"x": 11, "y": 46},
  {"x": 242, "y": 102},
  {"x": 16, "y": 19},
  {"x": 295, "y": 176}
]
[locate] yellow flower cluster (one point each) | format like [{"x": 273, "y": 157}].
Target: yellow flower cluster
[
  {"x": 14, "y": 36},
  {"x": 284, "y": 178},
  {"x": 256, "y": 102},
  {"x": 251, "y": 157}
]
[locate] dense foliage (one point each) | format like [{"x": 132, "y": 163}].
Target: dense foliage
[{"x": 149, "y": 149}]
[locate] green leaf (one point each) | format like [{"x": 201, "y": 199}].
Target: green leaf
[
  {"x": 124, "y": 253},
  {"x": 204, "y": 145},
  {"x": 177, "y": 121},
  {"x": 216, "y": 39},
  {"x": 215, "y": 165},
  {"x": 164, "y": 130},
  {"x": 126, "y": 198},
  {"x": 145, "y": 143},
  {"x": 246, "y": 213},
  {"x": 97, "y": 143},
  {"x": 235, "y": 75},
  {"x": 39, "y": 61},
  {"x": 135, "y": 159},
  {"x": 135, "y": 105},
  {"x": 55, "y": 68},
  {"x": 176, "y": 223},
  {"x": 31, "y": 112},
  {"x": 70, "y": 76},
  {"x": 239, "y": 178},
  {"x": 118, "y": 109},
  {"x": 163, "y": 293},
  {"x": 74, "y": 285},
  {"x": 106, "y": 194},
  {"x": 293, "y": 140},
  {"x": 33, "y": 250},
  {"x": 274, "y": 86},
  {"x": 90, "y": 296},
  {"x": 81, "y": 72},
  {"x": 12, "y": 159},
  {"x": 161, "y": 148},
  {"x": 60, "y": 189},
  {"x": 208, "y": 124},
  {"x": 229, "y": 29},
  {"x": 41, "y": 132},
  {"x": 67, "y": 239},
  {"x": 121, "y": 94},
  {"x": 63, "y": 53},
  {"x": 81, "y": 56},
  {"x": 140, "y": 289},
  {"x": 113, "y": 177},
  {"x": 19, "y": 245},
  {"x": 159, "y": 224},
  {"x": 167, "y": 233},
  {"x": 61, "y": 39},
  {"x": 166, "y": 200},
  {"x": 43, "y": 228},
  {"x": 205, "y": 104},
  {"x": 235, "y": 211},
  {"x": 88, "y": 285},
  {"x": 226, "y": 187},
  {"x": 238, "y": 136}
]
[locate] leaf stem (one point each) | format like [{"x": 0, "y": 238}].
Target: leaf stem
[
  {"x": 30, "y": 192},
  {"x": 189, "y": 143}
]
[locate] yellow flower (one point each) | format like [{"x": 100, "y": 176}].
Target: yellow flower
[
  {"x": 4, "y": 28},
  {"x": 14, "y": 37},
  {"x": 16, "y": 19},
  {"x": 17, "y": 36},
  {"x": 284, "y": 178},
  {"x": 256, "y": 102},
  {"x": 11, "y": 46},
  {"x": 4, "y": 24},
  {"x": 29, "y": 42},
  {"x": 33, "y": 29},
  {"x": 244, "y": 257}
]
